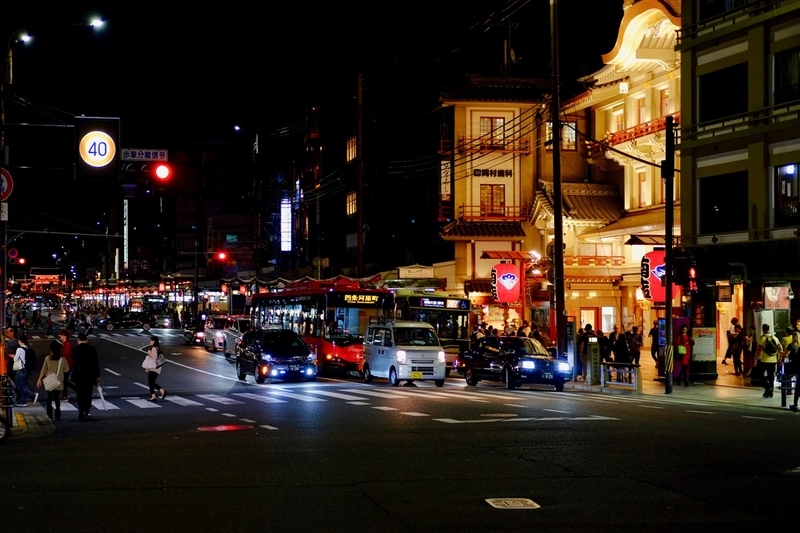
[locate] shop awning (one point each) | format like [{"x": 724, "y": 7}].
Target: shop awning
[
  {"x": 514, "y": 255},
  {"x": 653, "y": 240}
]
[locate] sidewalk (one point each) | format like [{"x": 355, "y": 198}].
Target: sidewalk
[{"x": 727, "y": 388}]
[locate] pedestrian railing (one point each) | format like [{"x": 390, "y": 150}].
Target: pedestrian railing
[{"x": 621, "y": 375}]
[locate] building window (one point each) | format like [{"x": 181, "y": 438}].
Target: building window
[
  {"x": 351, "y": 208},
  {"x": 641, "y": 110},
  {"x": 720, "y": 212},
  {"x": 352, "y": 152},
  {"x": 568, "y": 135},
  {"x": 663, "y": 97},
  {"x": 787, "y": 76},
  {"x": 493, "y": 200},
  {"x": 492, "y": 133},
  {"x": 723, "y": 93},
  {"x": 787, "y": 193},
  {"x": 714, "y": 8},
  {"x": 644, "y": 188},
  {"x": 619, "y": 120}
]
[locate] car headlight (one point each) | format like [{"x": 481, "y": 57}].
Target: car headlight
[
  {"x": 401, "y": 356},
  {"x": 529, "y": 365},
  {"x": 441, "y": 357},
  {"x": 564, "y": 367}
]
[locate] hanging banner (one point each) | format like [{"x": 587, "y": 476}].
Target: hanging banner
[
  {"x": 653, "y": 270},
  {"x": 505, "y": 283}
]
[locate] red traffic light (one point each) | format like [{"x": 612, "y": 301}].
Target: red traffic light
[
  {"x": 162, "y": 171},
  {"x": 222, "y": 256}
]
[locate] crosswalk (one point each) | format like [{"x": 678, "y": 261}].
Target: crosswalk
[
  {"x": 42, "y": 335},
  {"x": 318, "y": 393}
]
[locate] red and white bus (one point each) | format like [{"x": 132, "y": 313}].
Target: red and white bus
[{"x": 331, "y": 316}]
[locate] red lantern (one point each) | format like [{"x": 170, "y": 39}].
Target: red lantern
[
  {"x": 224, "y": 288},
  {"x": 506, "y": 283},
  {"x": 653, "y": 270},
  {"x": 162, "y": 287}
]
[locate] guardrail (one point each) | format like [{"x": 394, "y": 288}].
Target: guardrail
[{"x": 626, "y": 376}]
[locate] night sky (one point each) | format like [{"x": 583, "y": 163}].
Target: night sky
[{"x": 174, "y": 75}]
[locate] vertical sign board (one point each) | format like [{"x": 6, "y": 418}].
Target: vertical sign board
[
  {"x": 505, "y": 283},
  {"x": 97, "y": 141},
  {"x": 653, "y": 272}
]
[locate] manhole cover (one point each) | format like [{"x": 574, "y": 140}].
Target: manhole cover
[{"x": 512, "y": 503}]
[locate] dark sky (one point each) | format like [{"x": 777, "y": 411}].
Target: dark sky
[{"x": 177, "y": 74}]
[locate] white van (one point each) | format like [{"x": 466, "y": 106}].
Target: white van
[{"x": 403, "y": 350}]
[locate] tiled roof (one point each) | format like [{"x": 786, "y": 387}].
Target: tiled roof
[
  {"x": 462, "y": 229},
  {"x": 648, "y": 221},
  {"x": 500, "y": 90},
  {"x": 585, "y": 204}
]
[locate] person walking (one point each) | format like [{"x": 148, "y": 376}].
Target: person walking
[
  {"x": 150, "y": 366},
  {"x": 66, "y": 352},
  {"x": 57, "y": 365},
  {"x": 653, "y": 334},
  {"x": 636, "y": 342},
  {"x": 683, "y": 354},
  {"x": 792, "y": 366},
  {"x": 21, "y": 378},
  {"x": 85, "y": 374},
  {"x": 767, "y": 356},
  {"x": 731, "y": 333},
  {"x": 11, "y": 351}
]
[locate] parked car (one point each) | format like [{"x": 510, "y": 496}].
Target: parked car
[
  {"x": 275, "y": 354},
  {"x": 223, "y": 332},
  {"x": 403, "y": 350},
  {"x": 194, "y": 331},
  {"x": 512, "y": 360},
  {"x": 112, "y": 313}
]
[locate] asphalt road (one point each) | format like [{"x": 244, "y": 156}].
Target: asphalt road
[{"x": 342, "y": 455}]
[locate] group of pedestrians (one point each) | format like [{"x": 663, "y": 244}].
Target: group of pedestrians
[{"x": 74, "y": 367}]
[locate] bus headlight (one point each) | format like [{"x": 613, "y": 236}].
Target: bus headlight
[{"x": 401, "y": 356}]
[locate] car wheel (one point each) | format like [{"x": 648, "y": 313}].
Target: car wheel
[
  {"x": 439, "y": 382},
  {"x": 511, "y": 381},
  {"x": 225, "y": 349},
  {"x": 239, "y": 371},
  {"x": 367, "y": 374},
  {"x": 146, "y": 327},
  {"x": 471, "y": 379},
  {"x": 109, "y": 327},
  {"x": 559, "y": 386},
  {"x": 259, "y": 378},
  {"x": 394, "y": 381}
]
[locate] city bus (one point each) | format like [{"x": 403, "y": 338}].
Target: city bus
[
  {"x": 331, "y": 316},
  {"x": 449, "y": 315}
]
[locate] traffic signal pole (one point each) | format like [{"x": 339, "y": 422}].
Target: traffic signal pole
[{"x": 668, "y": 174}]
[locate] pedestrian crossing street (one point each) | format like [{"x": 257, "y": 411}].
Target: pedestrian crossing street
[
  {"x": 381, "y": 399},
  {"x": 42, "y": 335}
]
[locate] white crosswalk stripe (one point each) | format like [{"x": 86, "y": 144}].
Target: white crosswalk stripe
[
  {"x": 300, "y": 397},
  {"x": 258, "y": 397},
  {"x": 219, "y": 399},
  {"x": 143, "y": 404},
  {"x": 100, "y": 406},
  {"x": 184, "y": 402}
]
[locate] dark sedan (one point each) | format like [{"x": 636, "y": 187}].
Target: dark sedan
[
  {"x": 275, "y": 354},
  {"x": 132, "y": 320},
  {"x": 194, "y": 332},
  {"x": 512, "y": 360}
]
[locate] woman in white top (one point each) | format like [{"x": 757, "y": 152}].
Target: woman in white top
[{"x": 152, "y": 370}]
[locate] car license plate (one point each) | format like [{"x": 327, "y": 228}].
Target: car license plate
[
  {"x": 293, "y": 368},
  {"x": 547, "y": 375},
  {"x": 416, "y": 375}
]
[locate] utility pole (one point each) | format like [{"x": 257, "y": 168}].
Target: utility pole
[
  {"x": 668, "y": 174},
  {"x": 558, "y": 209},
  {"x": 360, "y": 190}
]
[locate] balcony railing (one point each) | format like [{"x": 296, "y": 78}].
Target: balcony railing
[
  {"x": 743, "y": 121},
  {"x": 504, "y": 145},
  {"x": 493, "y": 212},
  {"x": 590, "y": 260},
  {"x": 641, "y": 130}
]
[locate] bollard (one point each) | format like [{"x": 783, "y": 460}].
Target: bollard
[{"x": 786, "y": 384}]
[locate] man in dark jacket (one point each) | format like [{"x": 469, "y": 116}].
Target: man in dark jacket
[{"x": 85, "y": 374}]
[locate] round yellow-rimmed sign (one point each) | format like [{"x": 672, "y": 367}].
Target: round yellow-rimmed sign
[{"x": 97, "y": 149}]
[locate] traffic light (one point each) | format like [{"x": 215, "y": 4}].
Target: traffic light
[
  {"x": 162, "y": 171},
  {"x": 692, "y": 275},
  {"x": 221, "y": 256}
]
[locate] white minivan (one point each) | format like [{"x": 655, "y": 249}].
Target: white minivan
[{"x": 403, "y": 350}]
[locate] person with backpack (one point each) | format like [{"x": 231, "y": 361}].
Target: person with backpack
[
  {"x": 767, "y": 357},
  {"x": 24, "y": 364}
]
